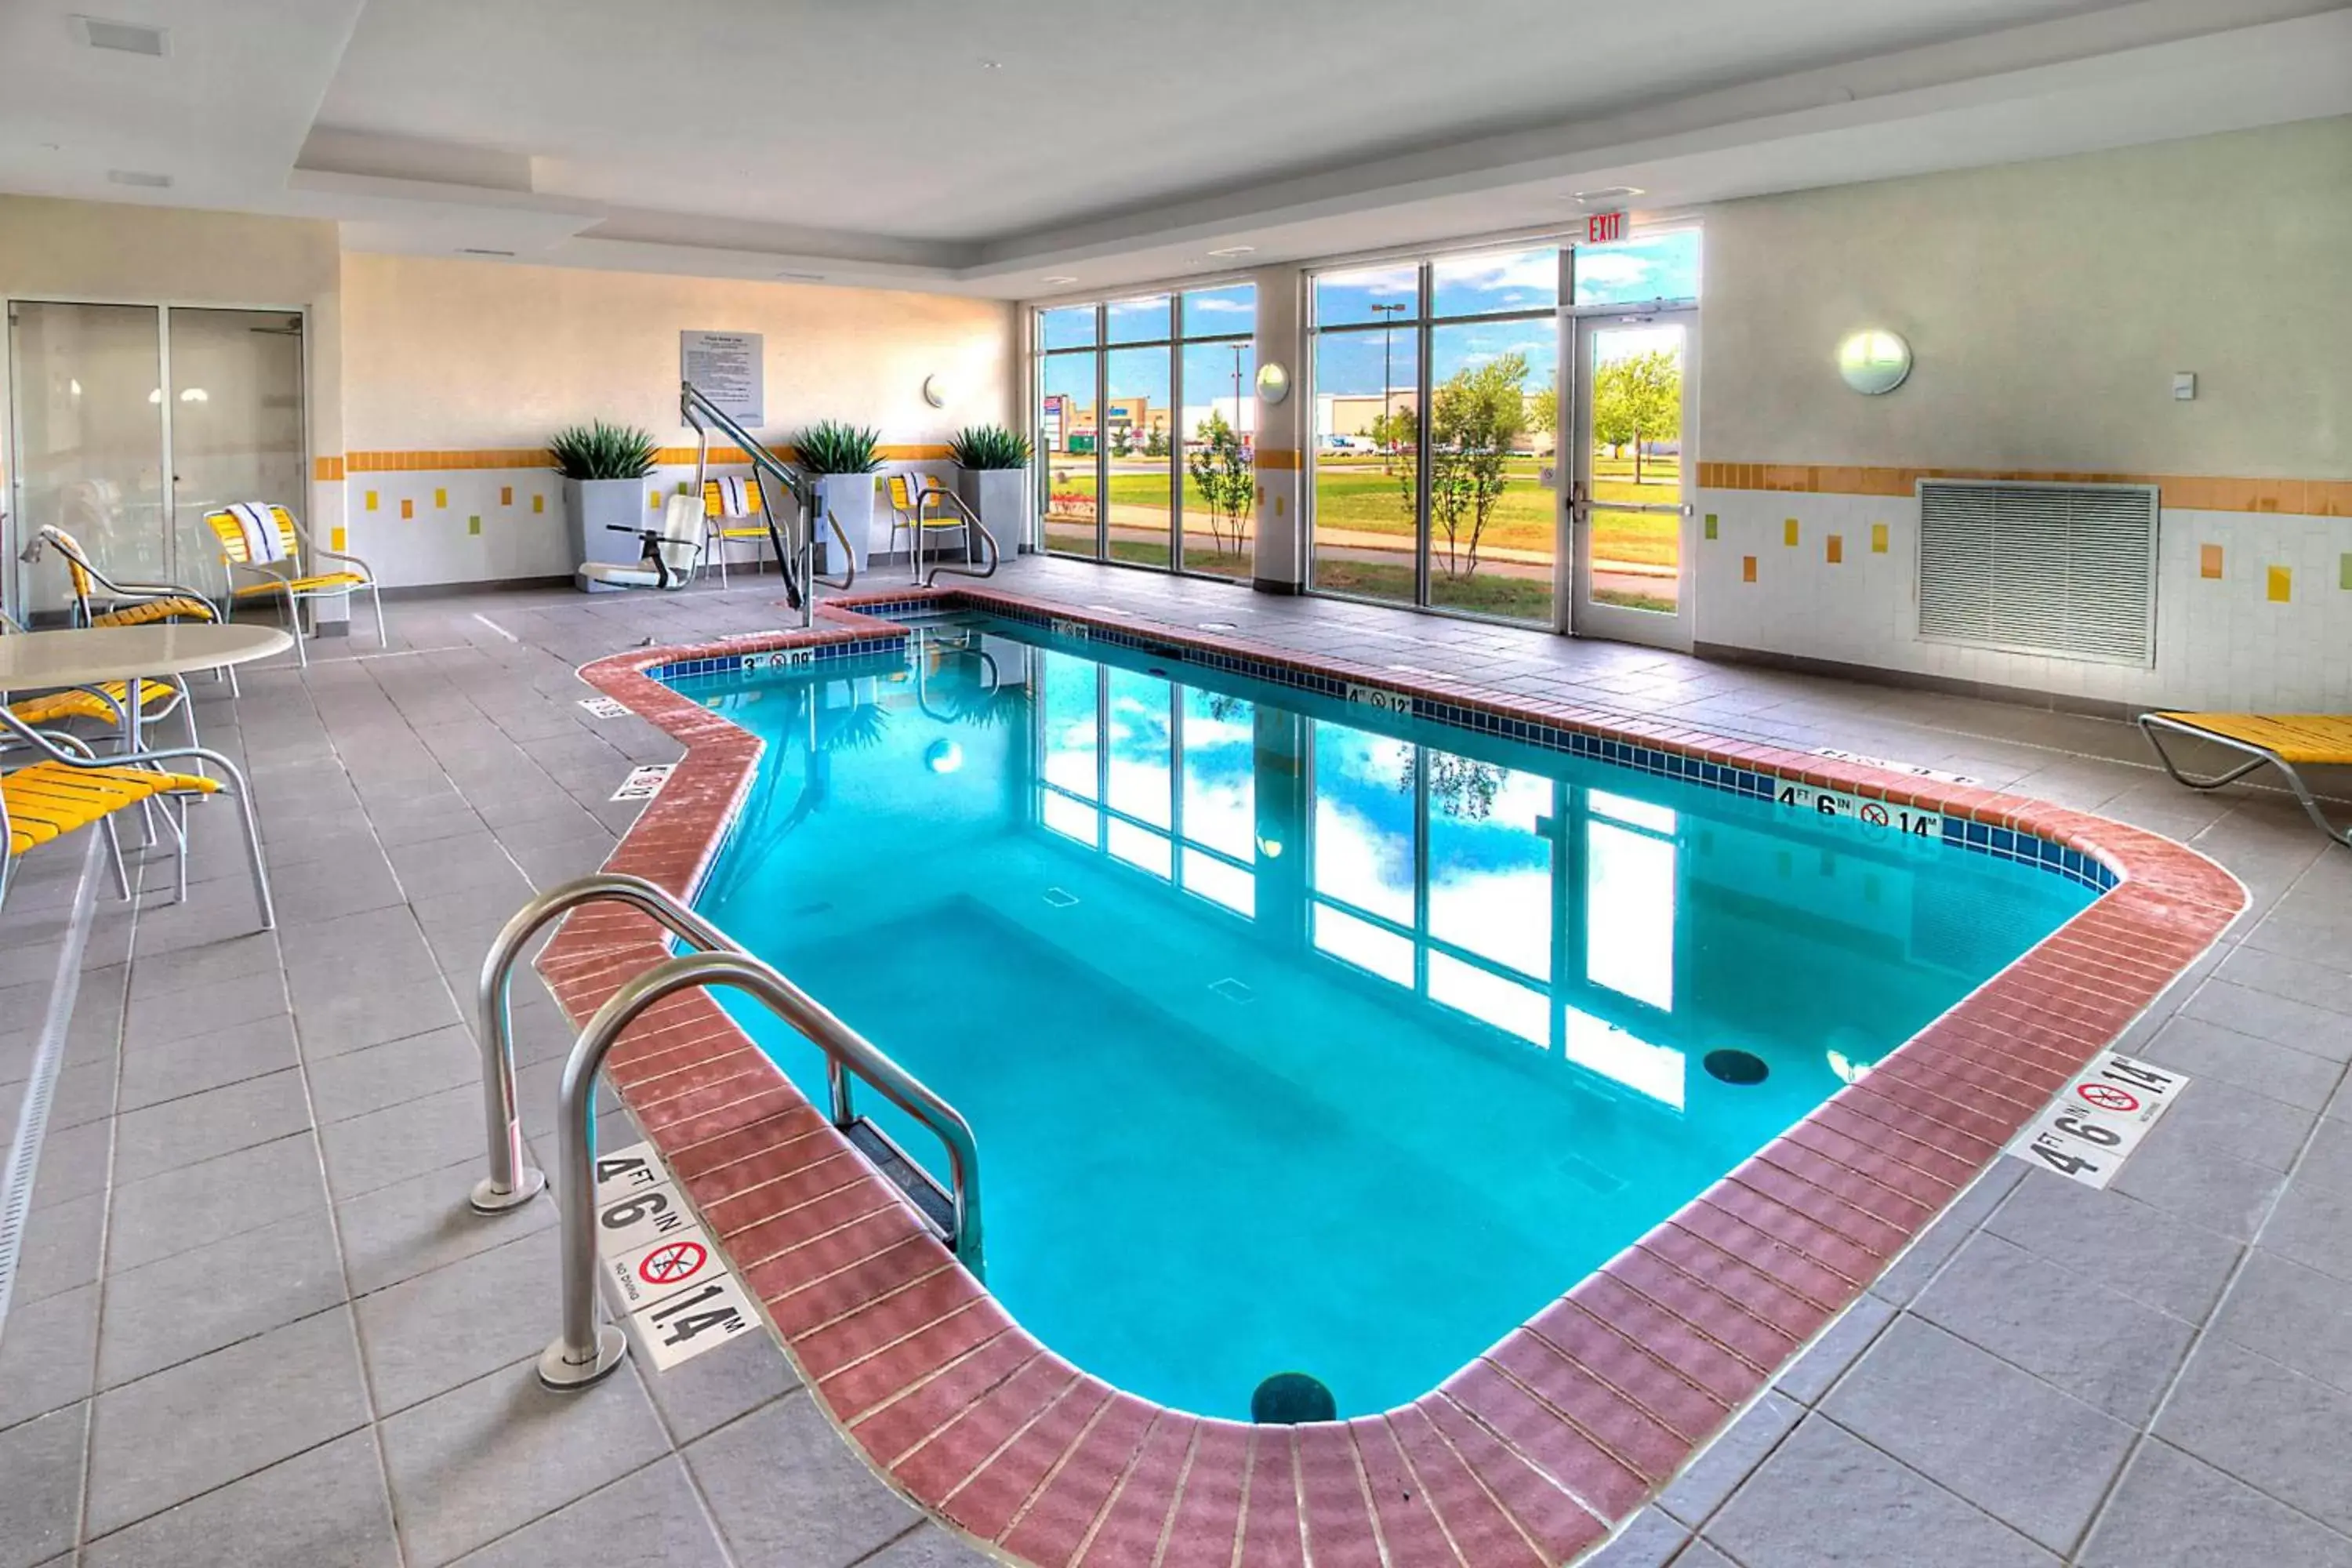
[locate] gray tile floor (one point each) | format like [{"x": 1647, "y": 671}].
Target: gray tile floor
[{"x": 255, "y": 1323}]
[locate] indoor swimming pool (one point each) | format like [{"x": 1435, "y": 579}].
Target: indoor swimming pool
[{"x": 1301, "y": 1035}]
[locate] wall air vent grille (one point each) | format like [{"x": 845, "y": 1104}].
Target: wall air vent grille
[
  {"x": 2064, "y": 570},
  {"x": 123, "y": 38}
]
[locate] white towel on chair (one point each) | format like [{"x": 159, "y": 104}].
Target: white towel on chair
[
  {"x": 734, "y": 497},
  {"x": 259, "y": 523}
]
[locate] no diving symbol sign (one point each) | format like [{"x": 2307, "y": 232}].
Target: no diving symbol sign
[
  {"x": 1873, "y": 814},
  {"x": 659, "y": 1269},
  {"x": 672, "y": 1261},
  {"x": 2108, "y": 1097}
]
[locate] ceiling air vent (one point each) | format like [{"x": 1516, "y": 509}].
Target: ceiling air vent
[
  {"x": 123, "y": 38},
  {"x": 139, "y": 178},
  {"x": 2066, "y": 570}
]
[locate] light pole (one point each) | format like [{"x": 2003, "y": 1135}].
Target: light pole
[{"x": 1387, "y": 337}]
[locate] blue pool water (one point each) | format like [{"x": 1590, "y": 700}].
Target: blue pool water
[{"x": 1297, "y": 1036}]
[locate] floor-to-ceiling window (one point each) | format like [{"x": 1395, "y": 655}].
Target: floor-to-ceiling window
[
  {"x": 1146, "y": 429},
  {"x": 1450, "y": 510}
]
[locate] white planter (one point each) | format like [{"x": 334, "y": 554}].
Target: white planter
[
  {"x": 595, "y": 508},
  {"x": 849, "y": 498},
  {"x": 1005, "y": 498}
]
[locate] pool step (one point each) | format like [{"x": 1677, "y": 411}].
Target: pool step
[{"x": 929, "y": 1198}]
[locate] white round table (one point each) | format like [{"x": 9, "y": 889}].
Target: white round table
[{"x": 89, "y": 655}]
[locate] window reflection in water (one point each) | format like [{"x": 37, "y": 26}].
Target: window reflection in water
[
  {"x": 1173, "y": 767},
  {"x": 1539, "y": 908}
]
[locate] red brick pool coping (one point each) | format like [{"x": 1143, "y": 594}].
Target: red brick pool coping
[{"x": 1532, "y": 1453}]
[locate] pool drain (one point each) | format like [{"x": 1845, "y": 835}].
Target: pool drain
[
  {"x": 1734, "y": 1067},
  {"x": 1291, "y": 1399}
]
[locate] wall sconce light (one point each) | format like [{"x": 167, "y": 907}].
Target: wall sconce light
[{"x": 1874, "y": 361}]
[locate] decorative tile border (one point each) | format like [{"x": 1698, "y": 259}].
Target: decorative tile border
[
  {"x": 1533, "y": 1451},
  {"x": 2194, "y": 492}
]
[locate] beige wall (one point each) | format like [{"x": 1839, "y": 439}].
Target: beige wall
[
  {"x": 452, "y": 354},
  {"x": 2048, "y": 305}
]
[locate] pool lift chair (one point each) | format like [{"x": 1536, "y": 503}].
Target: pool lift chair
[
  {"x": 671, "y": 551},
  {"x": 794, "y": 540}
]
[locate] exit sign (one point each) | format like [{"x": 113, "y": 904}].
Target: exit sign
[{"x": 1604, "y": 228}]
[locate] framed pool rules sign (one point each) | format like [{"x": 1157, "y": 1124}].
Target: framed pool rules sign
[{"x": 728, "y": 370}]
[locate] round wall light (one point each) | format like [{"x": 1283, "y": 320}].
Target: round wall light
[
  {"x": 935, "y": 391},
  {"x": 1272, "y": 384},
  {"x": 1874, "y": 361}
]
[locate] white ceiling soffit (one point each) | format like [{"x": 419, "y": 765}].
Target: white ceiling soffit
[{"x": 569, "y": 133}]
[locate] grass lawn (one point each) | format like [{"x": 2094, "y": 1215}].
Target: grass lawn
[{"x": 1522, "y": 598}]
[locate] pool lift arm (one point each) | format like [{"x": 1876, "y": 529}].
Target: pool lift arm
[{"x": 797, "y": 560}]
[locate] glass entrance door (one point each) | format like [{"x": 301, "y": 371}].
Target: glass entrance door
[
  {"x": 88, "y": 411},
  {"x": 1632, "y": 521},
  {"x": 133, "y": 421},
  {"x": 236, "y": 394}
]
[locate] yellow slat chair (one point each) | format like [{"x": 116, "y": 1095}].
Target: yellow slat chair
[
  {"x": 295, "y": 578},
  {"x": 2282, "y": 741},
  {"x": 905, "y": 495},
  {"x": 124, "y": 604},
  {"x": 68, "y": 788},
  {"x": 102, "y": 703},
  {"x": 717, "y": 513}
]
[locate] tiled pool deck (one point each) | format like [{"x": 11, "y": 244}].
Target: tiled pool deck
[{"x": 251, "y": 1285}]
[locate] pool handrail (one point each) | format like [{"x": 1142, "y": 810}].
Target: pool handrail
[
  {"x": 584, "y": 1351},
  {"x": 928, "y": 488}
]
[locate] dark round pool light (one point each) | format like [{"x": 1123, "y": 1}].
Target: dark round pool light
[
  {"x": 1736, "y": 1067},
  {"x": 1291, "y": 1398}
]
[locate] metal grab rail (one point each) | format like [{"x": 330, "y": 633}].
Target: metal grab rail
[
  {"x": 585, "y": 1351},
  {"x": 511, "y": 1182},
  {"x": 928, "y": 488},
  {"x": 799, "y": 591}
]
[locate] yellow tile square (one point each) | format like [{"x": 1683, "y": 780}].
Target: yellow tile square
[
  {"x": 2281, "y": 585},
  {"x": 440, "y": 498},
  {"x": 539, "y": 503},
  {"x": 335, "y": 537},
  {"x": 370, "y": 500},
  {"x": 1789, "y": 533},
  {"x": 1878, "y": 539}
]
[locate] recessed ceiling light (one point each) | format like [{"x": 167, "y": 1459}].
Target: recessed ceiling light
[
  {"x": 140, "y": 178},
  {"x": 123, "y": 38},
  {"x": 992, "y": 65},
  {"x": 1606, "y": 193},
  {"x": 1059, "y": 278},
  {"x": 1232, "y": 251},
  {"x": 478, "y": 250},
  {"x": 803, "y": 277}
]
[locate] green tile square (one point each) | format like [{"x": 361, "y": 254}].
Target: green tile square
[
  {"x": 1710, "y": 525},
  {"x": 2344, "y": 572},
  {"x": 474, "y": 523}
]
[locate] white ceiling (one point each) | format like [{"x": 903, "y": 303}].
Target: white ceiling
[{"x": 874, "y": 141}]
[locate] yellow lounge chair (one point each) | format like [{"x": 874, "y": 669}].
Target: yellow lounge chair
[
  {"x": 2282, "y": 741},
  {"x": 125, "y": 604},
  {"x": 717, "y": 517},
  {"x": 69, "y": 789},
  {"x": 293, "y": 577}
]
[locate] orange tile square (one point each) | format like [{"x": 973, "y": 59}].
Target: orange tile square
[
  {"x": 1836, "y": 549},
  {"x": 2208, "y": 560},
  {"x": 407, "y": 508},
  {"x": 1747, "y": 568}
]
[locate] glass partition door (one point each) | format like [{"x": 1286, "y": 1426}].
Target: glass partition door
[
  {"x": 1633, "y": 519},
  {"x": 131, "y": 421}
]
